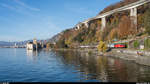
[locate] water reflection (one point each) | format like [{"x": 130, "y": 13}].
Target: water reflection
[
  {"x": 32, "y": 55},
  {"x": 104, "y": 68},
  {"x": 91, "y": 67}
]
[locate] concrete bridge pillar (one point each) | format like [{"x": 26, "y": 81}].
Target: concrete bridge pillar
[
  {"x": 86, "y": 24},
  {"x": 78, "y": 27},
  {"x": 133, "y": 14},
  {"x": 103, "y": 23}
]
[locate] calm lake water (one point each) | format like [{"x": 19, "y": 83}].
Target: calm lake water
[{"x": 20, "y": 65}]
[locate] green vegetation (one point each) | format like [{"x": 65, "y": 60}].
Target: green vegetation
[
  {"x": 147, "y": 21},
  {"x": 147, "y": 43},
  {"x": 117, "y": 5},
  {"x": 119, "y": 26},
  {"x": 90, "y": 52},
  {"x": 61, "y": 44},
  {"x": 136, "y": 44}
]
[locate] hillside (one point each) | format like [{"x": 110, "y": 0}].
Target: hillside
[
  {"x": 55, "y": 38},
  {"x": 117, "y": 5},
  {"x": 119, "y": 26}
]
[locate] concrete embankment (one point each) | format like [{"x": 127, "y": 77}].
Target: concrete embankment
[{"x": 131, "y": 55}]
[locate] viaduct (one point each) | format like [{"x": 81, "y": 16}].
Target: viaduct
[{"x": 133, "y": 13}]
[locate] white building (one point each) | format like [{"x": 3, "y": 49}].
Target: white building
[
  {"x": 30, "y": 46},
  {"x": 33, "y": 45}
]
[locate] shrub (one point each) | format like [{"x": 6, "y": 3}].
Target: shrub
[
  {"x": 102, "y": 47},
  {"x": 49, "y": 45},
  {"x": 90, "y": 52},
  {"x": 61, "y": 44},
  {"x": 147, "y": 21},
  {"x": 147, "y": 43},
  {"x": 136, "y": 44}
]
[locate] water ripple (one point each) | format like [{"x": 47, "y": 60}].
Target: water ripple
[{"x": 66, "y": 66}]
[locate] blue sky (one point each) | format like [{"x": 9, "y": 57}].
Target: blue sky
[{"x": 27, "y": 19}]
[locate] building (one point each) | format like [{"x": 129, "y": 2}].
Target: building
[
  {"x": 33, "y": 45},
  {"x": 30, "y": 46}
]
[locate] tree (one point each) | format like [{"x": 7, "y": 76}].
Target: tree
[
  {"x": 102, "y": 47},
  {"x": 61, "y": 44},
  {"x": 126, "y": 27},
  {"x": 113, "y": 34},
  {"x": 49, "y": 45},
  {"x": 147, "y": 21},
  {"x": 136, "y": 44}
]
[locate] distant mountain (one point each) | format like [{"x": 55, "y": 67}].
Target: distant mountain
[
  {"x": 4, "y": 43},
  {"x": 19, "y": 43},
  {"x": 55, "y": 38}
]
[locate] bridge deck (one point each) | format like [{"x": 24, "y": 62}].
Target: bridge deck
[{"x": 127, "y": 7}]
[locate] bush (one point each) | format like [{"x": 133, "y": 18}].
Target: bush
[
  {"x": 136, "y": 44},
  {"x": 147, "y": 21},
  {"x": 147, "y": 43},
  {"x": 61, "y": 44},
  {"x": 49, "y": 45},
  {"x": 90, "y": 52},
  {"x": 102, "y": 47}
]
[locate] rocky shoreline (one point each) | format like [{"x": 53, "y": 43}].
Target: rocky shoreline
[
  {"x": 130, "y": 55},
  {"x": 125, "y": 54}
]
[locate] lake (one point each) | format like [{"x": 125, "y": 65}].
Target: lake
[{"x": 21, "y": 65}]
